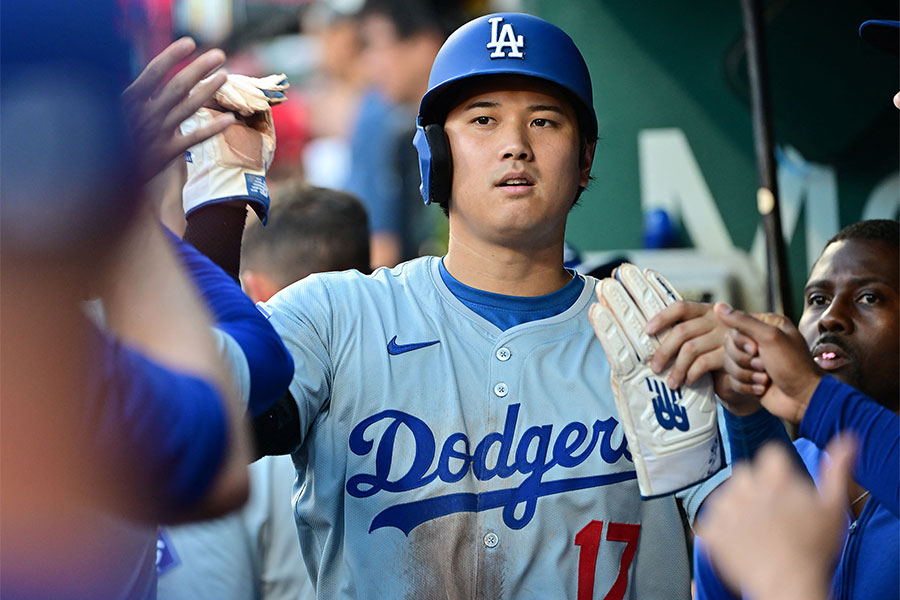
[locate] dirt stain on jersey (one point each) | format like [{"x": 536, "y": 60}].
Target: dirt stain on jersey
[{"x": 447, "y": 559}]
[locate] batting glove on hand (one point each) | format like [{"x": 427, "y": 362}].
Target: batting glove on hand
[
  {"x": 231, "y": 166},
  {"x": 673, "y": 435}
]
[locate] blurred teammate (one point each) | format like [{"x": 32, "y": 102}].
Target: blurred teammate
[
  {"x": 401, "y": 39},
  {"x": 104, "y": 435},
  {"x": 839, "y": 371},
  {"x": 254, "y": 553},
  {"x": 772, "y": 532}
]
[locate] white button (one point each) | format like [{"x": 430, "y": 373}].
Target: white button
[
  {"x": 501, "y": 390},
  {"x": 503, "y": 354},
  {"x": 491, "y": 540}
]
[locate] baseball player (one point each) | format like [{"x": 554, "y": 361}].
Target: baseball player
[{"x": 451, "y": 420}]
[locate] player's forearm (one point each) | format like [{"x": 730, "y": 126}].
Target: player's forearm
[
  {"x": 270, "y": 365},
  {"x": 216, "y": 230},
  {"x": 747, "y": 434},
  {"x": 152, "y": 305}
]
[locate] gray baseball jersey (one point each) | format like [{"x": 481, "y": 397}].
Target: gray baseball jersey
[
  {"x": 251, "y": 553},
  {"x": 445, "y": 458}
]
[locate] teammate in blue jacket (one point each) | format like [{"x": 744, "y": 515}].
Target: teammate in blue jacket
[
  {"x": 838, "y": 372},
  {"x": 453, "y": 427},
  {"x": 108, "y": 430}
]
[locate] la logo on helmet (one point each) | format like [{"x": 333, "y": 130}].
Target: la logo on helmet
[{"x": 506, "y": 39}]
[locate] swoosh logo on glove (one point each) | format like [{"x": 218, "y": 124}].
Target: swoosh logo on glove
[{"x": 394, "y": 348}]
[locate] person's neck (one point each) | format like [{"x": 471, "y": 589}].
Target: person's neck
[{"x": 504, "y": 270}]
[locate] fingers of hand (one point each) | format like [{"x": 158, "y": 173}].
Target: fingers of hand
[
  {"x": 742, "y": 380},
  {"x": 627, "y": 314},
  {"x": 153, "y": 75},
  {"x": 703, "y": 364},
  {"x": 180, "y": 143},
  {"x": 619, "y": 352},
  {"x": 188, "y": 106},
  {"x": 773, "y": 319},
  {"x": 673, "y": 314},
  {"x": 178, "y": 88},
  {"x": 642, "y": 292},
  {"x": 738, "y": 319},
  {"x": 690, "y": 339},
  {"x": 774, "y": 465}
]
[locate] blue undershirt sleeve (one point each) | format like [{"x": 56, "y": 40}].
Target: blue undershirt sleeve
[
  {"x": 270, "y": 364},
  {"x": 836, "y": 407},
  {"x": 166, "y": 431},
  {"x": 748, "y": 434}
]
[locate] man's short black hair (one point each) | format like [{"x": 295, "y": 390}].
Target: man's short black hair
[
  {"x": 884, "y": 230},
  {"x": 310, "y": 230}
]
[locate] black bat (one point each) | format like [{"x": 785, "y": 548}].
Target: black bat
[{"x": 778, "y": 291}]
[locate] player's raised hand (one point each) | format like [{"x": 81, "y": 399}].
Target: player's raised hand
[
  {"x": 771, "y": 532},
  {"x": 781, "y": 355},
  {"x": 691, "y": 341},
  {"x": 157, "y": 105},
  {"x": 672, "y": 433},
  {"x": 231, "y": 168},
  {"x": 691, "y": 345}
]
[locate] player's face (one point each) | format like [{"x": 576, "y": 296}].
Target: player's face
[
  {"x": 516, "y": 163},
  {"x": 850, "y": 316}
]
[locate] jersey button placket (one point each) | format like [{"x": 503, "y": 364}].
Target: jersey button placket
[{"x": 502, "y": 354}]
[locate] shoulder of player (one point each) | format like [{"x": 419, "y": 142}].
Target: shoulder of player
[{"x": 339, "y": 288}]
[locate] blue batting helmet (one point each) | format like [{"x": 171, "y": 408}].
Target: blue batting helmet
[{"x": 497, "y": 44}]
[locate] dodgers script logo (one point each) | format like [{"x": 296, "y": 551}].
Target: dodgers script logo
[
  {"x": 506, "y": 39},
  {"x": 669, "y": 413},
  {"x": 535, "y": 455}
]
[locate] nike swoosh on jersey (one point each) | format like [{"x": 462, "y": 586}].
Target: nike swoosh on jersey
[{"x": 394, "y": 348}]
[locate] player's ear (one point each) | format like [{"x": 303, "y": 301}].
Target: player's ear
[{"x": 587, "y": 161}]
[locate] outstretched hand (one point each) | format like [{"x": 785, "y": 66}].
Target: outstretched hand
[
  {"x": 157, "y": 106},
  {"x": 767, "y": 357},
  {"x": 692, "y": 341},
  {"x": 771, "y": 532}
]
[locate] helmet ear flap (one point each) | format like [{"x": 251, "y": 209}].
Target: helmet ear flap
[
  {"x": 441, "y": 163},
  {"x": 435, "y": 163}
]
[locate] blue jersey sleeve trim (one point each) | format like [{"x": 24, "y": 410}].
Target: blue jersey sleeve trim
[
  {"x": 270, "y": 363},
  {"x": 836, "y": 407}
]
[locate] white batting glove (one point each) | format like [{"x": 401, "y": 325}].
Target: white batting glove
[
  {"x": 231, "y": 166},
  {"x": 673, "y": 435}
]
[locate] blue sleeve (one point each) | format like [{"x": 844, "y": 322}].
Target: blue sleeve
[
  {"x": 706, "y": 580},
  {"x": 271, "y": 365},
  {"x": 836, "y": 407},
  {"x": 165, "y": 432},
  {"x": 748, "y": 434}
]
